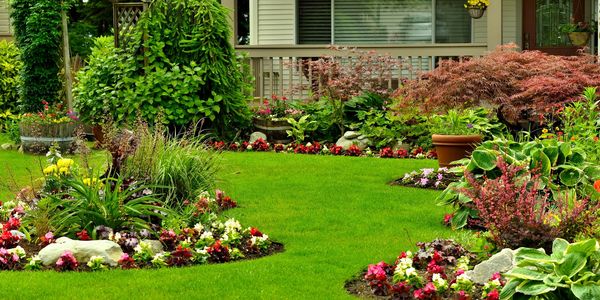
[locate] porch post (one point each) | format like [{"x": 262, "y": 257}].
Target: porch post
[
  {"x": 494, "y": 24},
  {"x": 231, "y": 6}
]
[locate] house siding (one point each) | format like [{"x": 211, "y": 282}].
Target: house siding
[
  {"x": 511, "y": 24},
  {"x": 5, "y": 29},
  {"x": 276, "y": 22}
]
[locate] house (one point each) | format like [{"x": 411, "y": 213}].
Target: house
[
  {"x": 5, "y": 29},
  {"x": 281, "y": 32}
]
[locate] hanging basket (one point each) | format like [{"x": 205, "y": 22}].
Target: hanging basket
[
  {"x": 579, "y": 39},
  {"x": 476, "y": 12}
]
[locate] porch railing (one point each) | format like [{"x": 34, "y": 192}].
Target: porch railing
[{"x": 276, "y": 68}]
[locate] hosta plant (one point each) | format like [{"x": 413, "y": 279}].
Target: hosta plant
[
  {"x": 571, "y": 271},
  {"x": 562, "y": 166}
]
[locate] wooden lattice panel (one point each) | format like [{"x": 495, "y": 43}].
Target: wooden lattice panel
[{"x": 126, "y": 16}]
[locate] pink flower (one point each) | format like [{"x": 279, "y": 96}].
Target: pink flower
[
  {"x": 437, "y": 257},
  {"x": 419, "y": 294},
  {"x": 496, "y": 276},
  {"x": 462, "y": 295},
  {"x": 376, "y": 272},
  {"x": 493, "y": 295},
  {"x": 66, "y": 261},
  {"x": 459, "y": 272},
  {"x": 429, "y": 289}
]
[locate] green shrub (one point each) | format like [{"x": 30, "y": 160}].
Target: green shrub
[
  {"x": 178, "y": 62},
  {"x": 38, "y": 35},
  {"x": 10, "y": 66}
]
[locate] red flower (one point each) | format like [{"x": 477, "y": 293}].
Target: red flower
[
  {"x": 386, "y": 153},
  {"x": 597, "y": 185},
  {"x": 429, "y": 289},
  {"x": 493, "y": 295},
  {"x": 448, "y": 219},
  {"x": 12, "y": 224},
  {"x": 437, "y": 257},
  {"x": 433, "y": 268},
  {"x": 462, "y": 295},
  {"x": 402, "y": 153},
  {"x": 419, "y": 294},
  {"x": 459, "y": 272},
  {"x": 126, "y": 262},
  {"x": 255, "y": 232},
  {"x": 83, "y": 235}
]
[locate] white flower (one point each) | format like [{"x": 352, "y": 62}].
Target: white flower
[
  {"x": 206, "y": 234},
  {"x": 35, "y": 260},
  {"x": 232, "y": 225},
  {"x": 18, "y": 251},
  {"x": 411, "y": 272},
  {"x": 308, "y": 144},
  {"x": 249, "y": 147},
  {"x": 405, "y": 263},
  {"x": 199, "y": 227}
]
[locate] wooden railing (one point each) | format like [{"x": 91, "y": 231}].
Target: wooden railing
[{"x": 276, "y": 67}]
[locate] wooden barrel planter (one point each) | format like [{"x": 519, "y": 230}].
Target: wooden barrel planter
[
  {"x": 274, "y": 129},
  {"x": 37, "y": 138},
  {"x": 450, "y": 148}
]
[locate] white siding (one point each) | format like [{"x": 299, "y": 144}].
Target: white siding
[
  {"x": 511, "y": 24},
  {"x": 4, "y": 18},
  {"x": 276, "y": 22}
]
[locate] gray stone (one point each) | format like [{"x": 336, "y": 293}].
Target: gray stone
[
  {"x": 82, "y": 250},
  {"x": 7, "y": 146},
  {"x": 155, "y": 245},
  {"x": 499, "y": 262},
  {"x": 346, "y": 143},
  {"x": 362, "y": 137},
  {"x": 350, "y": 135},
  {"x": 257, "y": 135}
]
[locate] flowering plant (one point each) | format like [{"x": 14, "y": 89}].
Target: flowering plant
[
  {"x": 50, "y": 115},
  {"x": 482, "y": 4},
  {"x": 463, "y": 122},
  {"x": 277, "y": 108}
]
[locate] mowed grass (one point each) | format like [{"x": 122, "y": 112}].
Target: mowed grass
[{"x": 335, "y": 215}]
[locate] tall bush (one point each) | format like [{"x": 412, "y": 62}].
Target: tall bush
[
  {"x": 524, "y": 85},
  {"x": 179, "y": 63},
  {"x": 10, "y": 66},
  {"x": 37, "y": 33}
]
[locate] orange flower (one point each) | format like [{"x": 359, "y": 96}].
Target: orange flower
[
  {"x": 595, "y": 139},
  {"x": 597, "y": 185}
]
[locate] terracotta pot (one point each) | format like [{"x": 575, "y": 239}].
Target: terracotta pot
[
  {"x": 450, "y": 148},
  {"x": 275, "y": 130},
  {"x": 476, "y": 12},
  {"x": 579, "y": 39}
]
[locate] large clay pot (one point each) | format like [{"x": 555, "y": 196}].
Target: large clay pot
[
  {"x": 274, "y": 129},
  {"x": 579, "y": 39},
  {"x": 36, "y": 138},
  {"x": 450, "y": 148}
]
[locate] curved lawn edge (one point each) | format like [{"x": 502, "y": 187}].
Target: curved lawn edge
[{"x": 335, "y": 215}]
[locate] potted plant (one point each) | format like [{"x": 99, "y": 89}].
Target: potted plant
[
  {"x": 272, "y": 116},
  {"x": 456, "y": 134},
  {"x": 39, "y": 131},
  {"x": 579, "y": 32},
  {"x": 476, "y": 8}
]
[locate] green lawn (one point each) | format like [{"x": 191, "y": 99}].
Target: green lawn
[{"x": 335, "y": 215}]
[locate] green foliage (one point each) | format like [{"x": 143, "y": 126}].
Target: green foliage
[
  {"x": 186, "y": 71},
  {"x": 365, "y": 102},
  {"x": 321, "y": 111},
  {"x": 383, "y": 128},
  {"x": 81, "y": 38},
  {"x": 563, "y": 168},
  {"x": 112, "y": 204},
  {"x": 10, "y": 67},
  {"x": 581, "y": 120},
  {"x": 179, "y": 168},
  {"x": 300, "y": 127},
  {"x": 37, "y": 34},
  {"x": 465, "y": 122},
  {"x": 572, "y": 271}
]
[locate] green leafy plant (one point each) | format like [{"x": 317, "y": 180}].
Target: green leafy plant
[
  {"x": 300, "y": 127},
  {"x": 571, "y": 271},
  {"x": 581, "y": 120},
  {"x": 10, "y": 68},
  {"x": 114, "y": 204},
  {"x": 563, "y": 168},
  {"x": 465, "y": 122},
  {"x": 578, "y": 27}
]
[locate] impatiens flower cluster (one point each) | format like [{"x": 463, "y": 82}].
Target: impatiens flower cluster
[
  {"x": 429, "y": 178},
  {"x": 66, "y": 262},
  {"x": 96, "y": 263}
]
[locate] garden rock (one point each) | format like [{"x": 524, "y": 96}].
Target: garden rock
[
  {"x": 82, "y": 250},
  {"x": 353, "y": 138},
  {"x": 7, "y": 146},
  {"x": 155, "y": 245},
  {"x": 499, "y": 262},
  {"x": 257, "y": 135}
]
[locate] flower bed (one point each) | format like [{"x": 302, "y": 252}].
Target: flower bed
[
  {"x": 436, "y": 271},
  {"x": 428, "y": 178},
  {"x": 322, "y": 149}
]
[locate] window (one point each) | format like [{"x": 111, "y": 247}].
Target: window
[{"x": 383, "y": 22}]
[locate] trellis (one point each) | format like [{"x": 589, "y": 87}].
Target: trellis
[{"x": 125, "y": 17}]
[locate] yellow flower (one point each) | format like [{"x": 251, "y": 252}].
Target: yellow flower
[
  {"x": 64, "y": 163},
  {"x": 63, "y": 170},
  {"x": 51, "y": 169},
  {"x": 92, "y": 181},
  {"x": 544, "y": 130}
]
